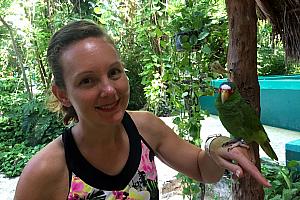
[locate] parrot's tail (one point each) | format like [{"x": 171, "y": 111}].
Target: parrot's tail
[{"x": 269, "y": 150}]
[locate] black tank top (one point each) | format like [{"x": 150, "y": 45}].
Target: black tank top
[{"x": 137, "y": 180}]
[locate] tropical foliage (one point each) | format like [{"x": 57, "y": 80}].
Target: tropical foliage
[
  {"x": 166, "y": 46},
  {"x": 285, "y": 180}
]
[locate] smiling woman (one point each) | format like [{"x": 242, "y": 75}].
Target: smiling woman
[
  {"x": 62, "y": 41},
  {"x": 108, "y": 153},
  {"x": 94, "y": 81}
]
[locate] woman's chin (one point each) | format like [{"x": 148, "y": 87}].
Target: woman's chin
[{"x": 114, "y": 117}]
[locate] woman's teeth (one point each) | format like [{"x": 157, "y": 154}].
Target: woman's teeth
[{"x": 106, "y": 107}]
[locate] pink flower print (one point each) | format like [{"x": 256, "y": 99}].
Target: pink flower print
[
  {"x": 146, "y": 165},
  {"x": 77, "y": 189},
  {"x": 76, "y": 185},
  {"x": 118, "y": 195}
]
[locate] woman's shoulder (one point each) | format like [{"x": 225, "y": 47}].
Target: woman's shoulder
[
  {"x": 151, "y": 127},
  {"x": 45, "y": 158},
  {"x": 144, "y": 119},
  {"x": 45, "y": 170}
]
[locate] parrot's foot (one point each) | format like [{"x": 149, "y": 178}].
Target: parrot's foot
[{"x": 235, "y": 143}]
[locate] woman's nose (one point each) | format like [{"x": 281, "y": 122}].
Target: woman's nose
[{"x": 107, "y": 89}]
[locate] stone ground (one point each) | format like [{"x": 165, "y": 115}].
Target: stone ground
[
  {"x": 168, "y": 185},
  {"x": 7, "y": 187}
]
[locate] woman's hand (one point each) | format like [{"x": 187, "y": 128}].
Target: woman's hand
[{"x": 235, "y": 157}]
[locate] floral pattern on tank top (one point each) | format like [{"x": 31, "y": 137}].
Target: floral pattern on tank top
[{"x": 143, "y": 186}]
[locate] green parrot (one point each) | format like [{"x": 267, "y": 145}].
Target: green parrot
[{"x": 240, "y": 119}]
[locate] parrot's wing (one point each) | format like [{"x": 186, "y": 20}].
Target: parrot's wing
[
  {"x": 256, "y": 130},
  {"x": 250, "y": 119},
  {"x": 240, "y": 120},
  {"x": 251, "y": 122}
]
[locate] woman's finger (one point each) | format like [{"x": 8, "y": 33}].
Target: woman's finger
[
  {"x": 235, "y": 169},
  {"x": 246, "y": 166},
  {"x": 251, "y": 169}
]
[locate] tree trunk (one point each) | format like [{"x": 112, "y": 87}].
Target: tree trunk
[
  {"x": 242, "y": 63},
  {"x": 19, "y": 58},
  {"x": 41, "y": 66}
]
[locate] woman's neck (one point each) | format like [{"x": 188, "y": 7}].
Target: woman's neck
[{"x": 100, "y": 135}]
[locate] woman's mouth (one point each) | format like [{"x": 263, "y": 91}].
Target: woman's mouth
[{"x": 108, "y": 107}]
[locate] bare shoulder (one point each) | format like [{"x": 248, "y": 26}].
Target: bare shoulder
[
  {"x": 44, "y": 173},
  {"x": 50, "y": 159},
  {"x": 151, "y": 127},
  {"x": 146, "y": 121},
  {"x": 141, "y": 117}
]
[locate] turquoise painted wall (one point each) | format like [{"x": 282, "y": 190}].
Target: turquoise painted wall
[{"x": 292, "y": 151}]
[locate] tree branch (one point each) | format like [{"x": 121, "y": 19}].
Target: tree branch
[{"x": 19, "y": 57}]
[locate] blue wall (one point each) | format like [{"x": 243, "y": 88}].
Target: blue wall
[
  {"x": 292, "y": 151},
  {"x": 279, "y": 100}
]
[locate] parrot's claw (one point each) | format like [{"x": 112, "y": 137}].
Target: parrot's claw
[
  {"x": 235, "y": 143},
  {"x": 230, "y": 142}
]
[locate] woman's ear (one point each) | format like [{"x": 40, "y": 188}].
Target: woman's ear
[{"x": 61, "y": 95}]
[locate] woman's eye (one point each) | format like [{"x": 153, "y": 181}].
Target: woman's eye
[
  {"x": 86, "y": 81},
  {"x": 115, "y": 73}
]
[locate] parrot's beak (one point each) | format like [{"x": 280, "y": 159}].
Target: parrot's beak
[{"x": 224, "y": 95}]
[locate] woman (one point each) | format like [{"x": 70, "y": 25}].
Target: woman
[{"x": 109, "y": 152}]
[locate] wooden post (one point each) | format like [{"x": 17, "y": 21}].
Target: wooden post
[{"x": 242, "y": 63}]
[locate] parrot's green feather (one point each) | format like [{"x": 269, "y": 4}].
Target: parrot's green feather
[{"x": 241, "y": 121}]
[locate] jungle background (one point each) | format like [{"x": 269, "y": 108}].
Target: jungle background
[{"x": 168, "y": 48}]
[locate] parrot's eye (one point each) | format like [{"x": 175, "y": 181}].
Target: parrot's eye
[{"x": 230, "y": 91}]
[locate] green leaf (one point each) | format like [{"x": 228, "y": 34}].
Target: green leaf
[
  {"x": 184, "y": 38},
  {"x": 286, "y": 178},
  {"x": 203, "y": 35},
  {"x": 97, "y": 10},
  {"x": 293, "y": 163},
  {"x": 163, "y": 44},
  {"x": 158, "y": 32},
  {"x": 102, "y": 20},
  {"x": 193, "y": 39},
  {"x": 206, "y": 49},
  {"x": 277, "y": 197},
  {"x": 184, "y": 94},
  {"x": 194, "y": 130}
]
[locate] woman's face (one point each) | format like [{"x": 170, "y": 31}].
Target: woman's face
[{"x": 96, "y": 84}]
